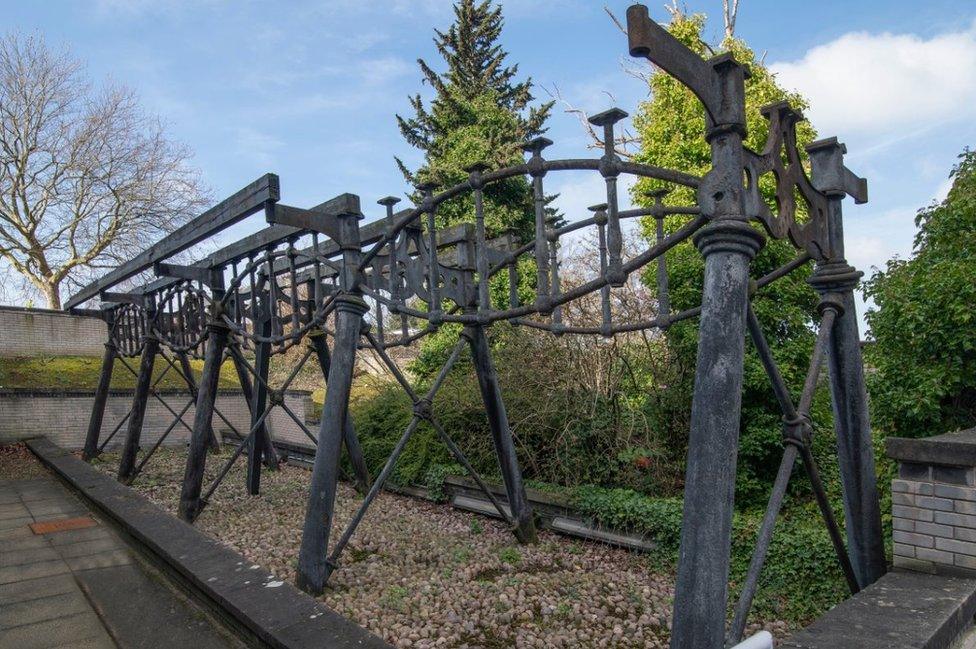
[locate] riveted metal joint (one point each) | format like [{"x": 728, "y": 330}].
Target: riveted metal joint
[
  {"x": 423, "y": 409},
  {"x": 797, "y": 432}
]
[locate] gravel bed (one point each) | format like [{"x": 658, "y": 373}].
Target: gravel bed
[
  {"x": 420, "y": 574},
  {"x": 18, "y": 463}
]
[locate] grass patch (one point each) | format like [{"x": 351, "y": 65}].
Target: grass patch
[{"x": 82, "y": 372}]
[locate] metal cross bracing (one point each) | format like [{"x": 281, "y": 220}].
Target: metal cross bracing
[{"x": 319, "y": 275}]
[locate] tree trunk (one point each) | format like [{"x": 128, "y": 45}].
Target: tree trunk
[{"x": 53, "y": 294}]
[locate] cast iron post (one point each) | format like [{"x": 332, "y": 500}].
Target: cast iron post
[
  {"x": 196, "y": 459},
  {"x": 320, "y": 345},
  {"x": 313, "y": 565},
  {"x": 140, "y": 400},
  {"x": 501, "y": 434},
  {"x": 101, "y": 394},
  {"x": 259, "y": 397},
  {"x": 191, "y": 384},
  {"x": 727, "y": 244},
  {"x": 834, "y": 277},
  {"x": 247, "y": 388}
]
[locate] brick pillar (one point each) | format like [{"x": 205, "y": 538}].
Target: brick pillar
[{"x": 934, "y": 503}]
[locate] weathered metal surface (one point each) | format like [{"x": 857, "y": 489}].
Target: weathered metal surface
[
  {"x": 317, "y": 273},
  {"x": 245, "y": 202}
]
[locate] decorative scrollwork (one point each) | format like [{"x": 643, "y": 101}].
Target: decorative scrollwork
[{"x": 781, "y": 157}]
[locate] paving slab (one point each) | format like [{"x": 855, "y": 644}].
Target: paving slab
[
  {"x": 267, "y": 611},
  {"x": 83, "y": 588},
  {"x": 64, "y": 631},
  {"x": 125, "y": 614},
  {"x": 41, "y": 609},
  {"x": 35, "y": 554},
  {"x": 34, "y": 570},
  {"x": 37, "y": 588}
]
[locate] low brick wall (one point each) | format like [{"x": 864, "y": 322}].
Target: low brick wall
[
  {"x": 62, "y": 416},
  {"x": 934, "y": 503},
  {"x": 42, "y": 332}
]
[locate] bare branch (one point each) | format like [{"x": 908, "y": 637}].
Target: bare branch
[
  {"x": 616, "y": 21},
  {"x": 730, "y": 11},
  {"x": 86, "y": 176},
  {"x": 621, "y": 144}
]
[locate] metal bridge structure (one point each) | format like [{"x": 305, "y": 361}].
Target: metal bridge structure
[{"x": 337, "y": 282}]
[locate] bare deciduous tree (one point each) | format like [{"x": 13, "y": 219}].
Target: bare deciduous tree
[{"x": 87, "y": 178}]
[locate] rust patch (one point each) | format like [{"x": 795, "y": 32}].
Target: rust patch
[{"x": 62, "y": 525}]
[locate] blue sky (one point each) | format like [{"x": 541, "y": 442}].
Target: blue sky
[{"x": 309, "y": 89}]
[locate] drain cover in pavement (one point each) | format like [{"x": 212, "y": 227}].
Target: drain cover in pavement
[{"x": 62, "y": 525}]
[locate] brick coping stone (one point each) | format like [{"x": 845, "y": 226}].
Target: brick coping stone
[
  {"x": 950, "y": 449},
  {"x": 902, "y": 610},
  {"x": 253, "y": 601}
]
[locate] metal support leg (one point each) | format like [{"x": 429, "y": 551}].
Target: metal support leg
[
  {"x": 259, "y": 401},
  {"x": 501, "y": 434},
  {"x": 244, "y": 378},
  {"x": 140, "y": 400},
  {"x": 191, "y": 384},
  {"x": 701, "y": 589},
  {"x": 313, "y": 568},
  {"x": 321, "y": 347},
  {"x": 98, "y": 407},
  {"x": 855, "y": 454},
  {"x": 196, "y": 460}
]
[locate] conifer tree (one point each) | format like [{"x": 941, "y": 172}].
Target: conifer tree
[{"x": 480, "y": 113}]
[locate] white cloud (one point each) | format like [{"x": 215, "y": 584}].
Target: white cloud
[{"x": 875, "y": 83}]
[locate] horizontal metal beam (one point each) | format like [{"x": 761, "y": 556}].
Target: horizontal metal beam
[{"x": 245, "y": 202}]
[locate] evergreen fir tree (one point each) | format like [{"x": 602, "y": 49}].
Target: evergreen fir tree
[{"x": 480, "y": 113}]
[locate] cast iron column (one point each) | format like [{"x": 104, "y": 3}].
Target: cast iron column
[
  {"x": 140, "y": 400},
  {"x": 247, "y": 388},
  {"x": 101, "y": 397},
  {"x": 260, "y": 440},
  {"x": 196, "y": 459},
  {"x": 855, "y": 453},
  {"x": 313, "y": 566},
  {"x": 191, "y": 384},
  {"x": 318, "y": 342},
  {"x": 501, "y": 434},
  {"x": 728, "y": 244}
]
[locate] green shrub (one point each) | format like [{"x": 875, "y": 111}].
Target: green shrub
[{"x": 923, "y": 326}]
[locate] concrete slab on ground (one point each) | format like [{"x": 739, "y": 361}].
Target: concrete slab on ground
[
  {"x": 83, "y": 588},
  {"x": 902, "y": 610}
]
